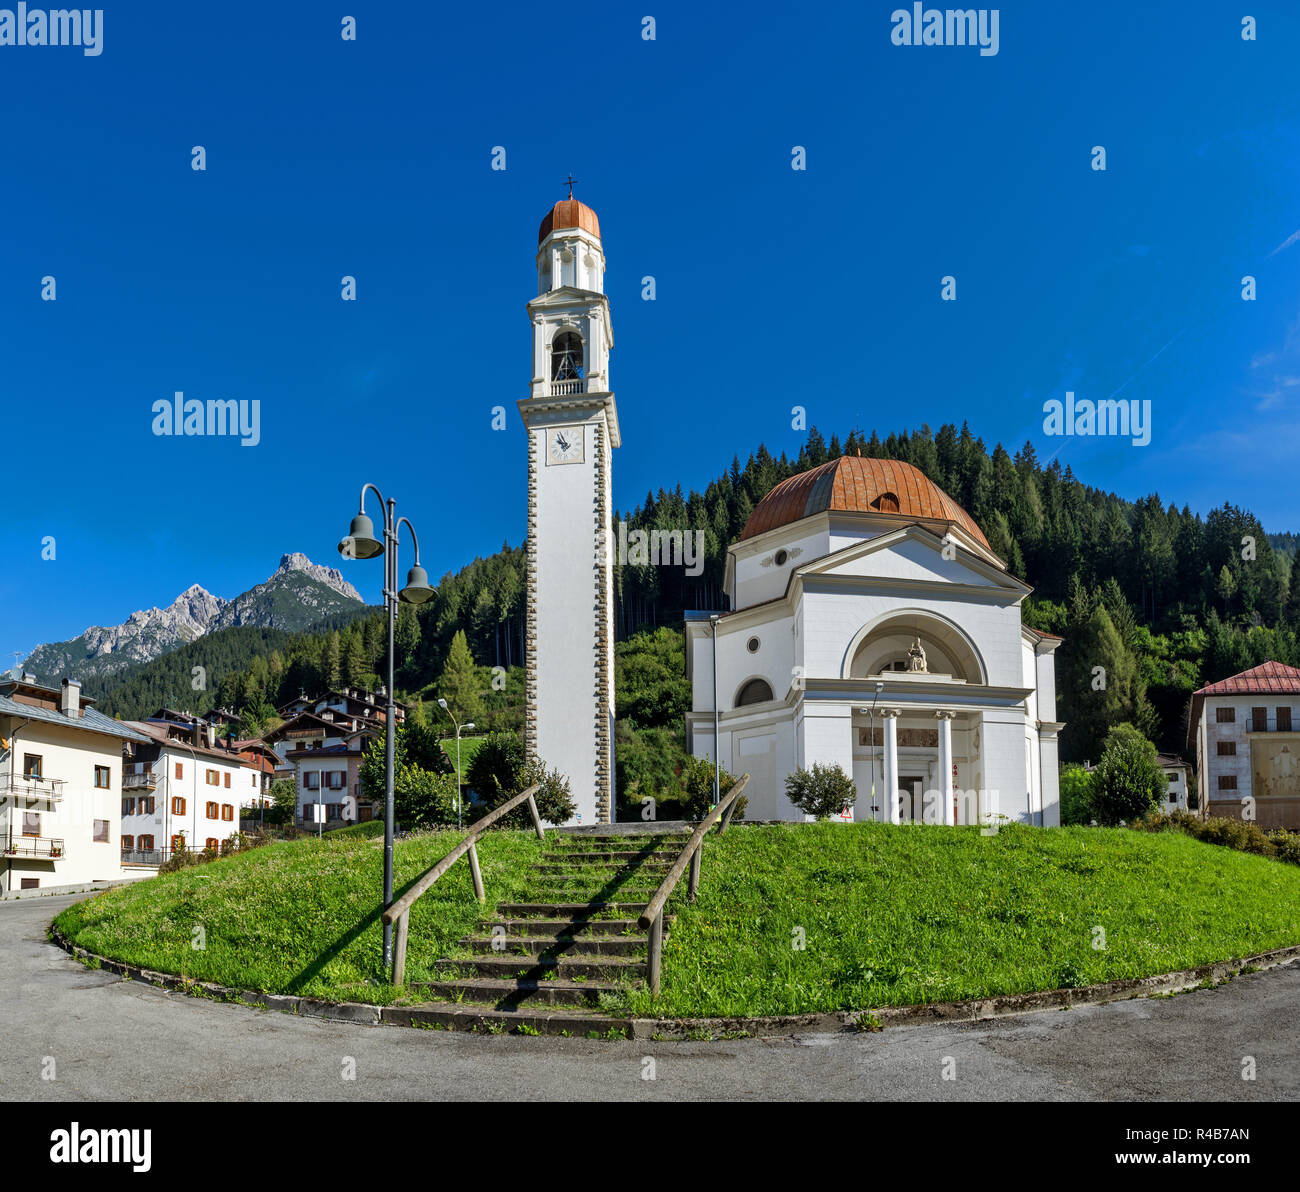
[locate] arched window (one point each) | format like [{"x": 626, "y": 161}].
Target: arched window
[
  {"x": 566, "y": 357},
  {"x": 886, "y": 503},
  {"x": 756, "y": 691}
]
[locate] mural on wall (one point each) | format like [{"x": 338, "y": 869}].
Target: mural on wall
[{"x": 1276, "y": 769}]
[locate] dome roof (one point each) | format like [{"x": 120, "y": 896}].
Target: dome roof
[
  {"x": 856, "y": 485},
  {"x": 569, "y": 213}
]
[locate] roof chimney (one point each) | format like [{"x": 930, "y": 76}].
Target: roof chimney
[{"x": 72, "y": 697}]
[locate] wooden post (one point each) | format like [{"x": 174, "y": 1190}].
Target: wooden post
[
  {"x": 537, "y": 819},
  {"x": 656, "y": 951},
  {"x": 476, "y": 873},
  {"x": 726, "y": 816},
  {"x": 694, "y": 884},
  {"x": 399, "y": 950}
]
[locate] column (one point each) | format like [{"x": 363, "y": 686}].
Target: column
[
  {"x": 890, "y": 794},
  {"x": 945, "y": 768}
]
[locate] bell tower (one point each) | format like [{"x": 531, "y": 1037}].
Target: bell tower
[{"x": 572, "y": 426}]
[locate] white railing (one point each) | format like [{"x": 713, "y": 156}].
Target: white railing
[
  {"x": 27, "y": 786},
  {"x": 565, "y": 388}
]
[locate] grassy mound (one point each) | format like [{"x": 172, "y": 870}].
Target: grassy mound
[{"x": 886, "y": 915}]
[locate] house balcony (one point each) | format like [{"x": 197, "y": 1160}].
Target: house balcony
[
  {"x": 152, "y": 857},
  {"x": 568, "y": 388},
  {"x": 43, "y": 848},
  {"x": 28, "y": 786},
  {"x": 144, "y": 781}
]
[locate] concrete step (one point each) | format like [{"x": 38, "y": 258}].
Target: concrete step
[
  {"x": 568, "y": 928},
  {"x": 575, "y": 1021},
  {"x": 558, "y": 945},
  {"x": 601, "y": 867},
  {"x": 591, "y": 856},
  {"x": 584, "y": 910},
  {"x": 505, "y": 995},
  {"x": 537, "y": 968}
]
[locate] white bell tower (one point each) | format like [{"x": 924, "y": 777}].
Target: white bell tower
[{"x": 572, "y": 427}]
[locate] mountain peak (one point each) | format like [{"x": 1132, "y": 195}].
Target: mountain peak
[{"x": 330, "y": 576}]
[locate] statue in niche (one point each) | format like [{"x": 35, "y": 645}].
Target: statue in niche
[{"x": 916, "y": 663}]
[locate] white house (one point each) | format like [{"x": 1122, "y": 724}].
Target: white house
[
  {"x": 1177, "y": 773},
  {"x": 1243, "y": 729},
  {"x": 180, "y": 785},
  {"x": 60, "y": 787},
  {"x": 871, "y": 626}
]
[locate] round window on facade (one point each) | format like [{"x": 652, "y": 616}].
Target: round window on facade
[
  {"x": 781, "y": 557},
  {"x": 752, "y": 645}
]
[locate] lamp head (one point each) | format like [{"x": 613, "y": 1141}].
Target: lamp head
[
  {"x": 442, "y": 703},
  {"x": 465, "y": 726},
  {"x": 361, "y": 542},
  {"x": 417, "y": 590}
]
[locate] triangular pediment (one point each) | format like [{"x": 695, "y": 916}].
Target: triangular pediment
[{"x": 913, "y": 555}]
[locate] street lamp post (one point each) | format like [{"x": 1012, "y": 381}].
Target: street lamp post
[
  {"x": 361, "y": 543},
  {"x": 717, "y": 745},
  {"x": 442, "y": 703}
]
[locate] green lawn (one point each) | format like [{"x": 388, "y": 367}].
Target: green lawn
[
  {"x": 469, "y": 746},
  {"x": 889, "y": 915}
]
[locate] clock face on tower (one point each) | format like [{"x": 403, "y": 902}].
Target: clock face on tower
[{"x": 564, "y": 445}]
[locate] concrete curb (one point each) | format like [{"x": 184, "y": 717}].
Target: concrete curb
[{"x": 471, "y": 1017}]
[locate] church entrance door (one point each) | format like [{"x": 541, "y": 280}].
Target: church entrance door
[{"x": 911, "y": 790}]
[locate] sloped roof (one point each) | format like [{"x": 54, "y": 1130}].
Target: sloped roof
[
  {"x": 89, "y": 720},
  {"x": 1268, "y": 678},
  {"x": 853, "y": 484}
]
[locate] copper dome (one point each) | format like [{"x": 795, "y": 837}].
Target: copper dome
[
  {"x": 856, "y": 485},
  {"x": 569, "y": 213}
]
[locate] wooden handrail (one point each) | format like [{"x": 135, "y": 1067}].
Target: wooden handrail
[
  {"x": 653, "y": 915},
  {"x": 400, "y": 910}
]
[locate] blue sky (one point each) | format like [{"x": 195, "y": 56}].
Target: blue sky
[{"x": 775, "y": 287}]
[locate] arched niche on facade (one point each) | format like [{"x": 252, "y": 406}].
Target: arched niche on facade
[{"x": 882, "y": 646}]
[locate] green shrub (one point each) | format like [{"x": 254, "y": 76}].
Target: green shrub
[
  {"x": 822, "y": 791},
  {"x": 1128, "y": 782},
  {"x": 1076, "y": 795}
]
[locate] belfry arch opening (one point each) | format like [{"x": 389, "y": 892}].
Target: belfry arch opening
[
  {"x": 891, "y": 646},
  {"x": 568, "y": 362}
]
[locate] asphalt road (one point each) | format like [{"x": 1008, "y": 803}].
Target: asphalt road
[{"x": 118, "y": 1040}]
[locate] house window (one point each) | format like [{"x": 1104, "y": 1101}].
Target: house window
[
  {"x": 212, "y": 845},
  {"x": 101, "y": 778},
  {"x": 30, "y": 883},
  {"x": 311, "y": 780},
  {"x": 337, "y": 780},
  {"x": 252, "y": 780},
  {"x": 756, "y": 691},
  {"x": 31, "y": 823},
  {"x": 1284, "y": 720},
  {"x": 1227, "y": 748},
  {"x": 146, "y": 844},
  {"x": 146, "y": 805},
  {"x": 212, "y": 778},
  {"x": 1225, "y": 715},
  {"x": 1227, "y": 782},
  {"x": 227, "y": 783},
  {"x": 309, "y": 813},
  {"x": 128, "y": 843},
  {"x": 101, "y": 832},
  {"x": 128, "y": 806},
  {"x": 178, "y": 843},
  {"x": 227, "y": 811},
  {"x": 32, "y": 765},
  {"x": 180, "y": 770},
  {"x": 212, "y": 811},
  {"x": 178, "y": 806},
  {"x": 1174, "y": 776},
  {"x": 1259, "y": 720}
]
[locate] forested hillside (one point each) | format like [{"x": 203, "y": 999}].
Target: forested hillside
[{"x": 1162, "y": 598}]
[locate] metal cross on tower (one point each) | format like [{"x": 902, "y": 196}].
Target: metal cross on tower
[{"x": 572, "y": 180}]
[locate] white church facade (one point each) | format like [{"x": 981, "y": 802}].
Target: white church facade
[{"x": 872, "y": 627}]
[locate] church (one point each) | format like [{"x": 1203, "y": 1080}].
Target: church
[
  {"x": 870, "y": 624},
  {"x": 872, "y": 627}
]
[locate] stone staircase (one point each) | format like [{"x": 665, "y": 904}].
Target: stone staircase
[{"x": 544, "y": 966}]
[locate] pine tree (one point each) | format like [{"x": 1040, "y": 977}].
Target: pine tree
[{"x": 460, "y": 683}]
